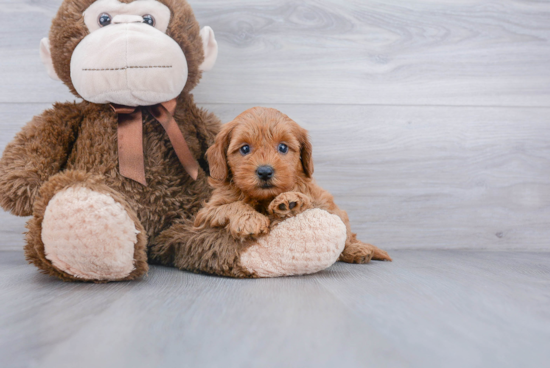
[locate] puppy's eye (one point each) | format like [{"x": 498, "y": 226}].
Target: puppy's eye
[
  {"x": 283, "y": 148},
  {"x": 245, "y": 150},
  {"x": 149, "y": 19},
  {"x": 104, "y": 19}
]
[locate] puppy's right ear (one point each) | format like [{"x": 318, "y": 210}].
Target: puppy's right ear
[
  {"x": 306, "y": 152},
  {"x": 217, "y": 153}
]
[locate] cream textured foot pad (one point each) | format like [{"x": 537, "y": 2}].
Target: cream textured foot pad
[
  {"x": 307, "y": 243},
  {"x": 89, "y": 235}
]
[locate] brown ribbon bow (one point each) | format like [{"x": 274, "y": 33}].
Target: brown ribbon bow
[{"x": 130, "y": 139}]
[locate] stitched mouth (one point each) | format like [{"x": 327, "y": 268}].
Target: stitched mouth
[
  {"x": 129, "y": 67},
  {"x": 266, "y": 185}
]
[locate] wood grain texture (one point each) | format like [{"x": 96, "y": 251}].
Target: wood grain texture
[
  {"x": 492, "y": 52},
  {"x": 413, "y": 177},
  {"x": 426, "y": 309}
]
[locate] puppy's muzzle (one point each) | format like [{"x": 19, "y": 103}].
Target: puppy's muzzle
[{"x": 265, "y": 172}]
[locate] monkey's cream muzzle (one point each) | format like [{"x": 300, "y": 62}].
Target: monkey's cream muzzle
[{"x": 128, "y": 63}]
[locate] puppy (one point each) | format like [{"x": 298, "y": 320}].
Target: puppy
[{"x": 261, "y": 171}]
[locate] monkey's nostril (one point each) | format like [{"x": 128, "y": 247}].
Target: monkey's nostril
[{"x": 265, "y": 172}]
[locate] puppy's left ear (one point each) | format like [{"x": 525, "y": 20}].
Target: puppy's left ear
[{"x": 306, "y": 152}]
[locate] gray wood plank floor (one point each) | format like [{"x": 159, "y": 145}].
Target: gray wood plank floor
[{"x": 426, "y": 309}]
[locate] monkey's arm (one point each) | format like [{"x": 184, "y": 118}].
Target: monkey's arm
[{"x": 37, "y": 152}]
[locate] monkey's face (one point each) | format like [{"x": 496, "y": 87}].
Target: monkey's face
[{"x": 126, "y": 56}]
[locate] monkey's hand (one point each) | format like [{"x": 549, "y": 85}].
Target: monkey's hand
[{"x": 39, "y": 151}]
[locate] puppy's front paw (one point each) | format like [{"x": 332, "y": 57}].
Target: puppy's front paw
[
  {"x": 289, "y": 204},
  {"x": 249, "y": 224}
]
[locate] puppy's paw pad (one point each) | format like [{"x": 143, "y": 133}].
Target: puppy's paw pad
[{"x": 289, "y": 204}]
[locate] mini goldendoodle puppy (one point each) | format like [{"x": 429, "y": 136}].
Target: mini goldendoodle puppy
[{"x": 261, "y": 170}]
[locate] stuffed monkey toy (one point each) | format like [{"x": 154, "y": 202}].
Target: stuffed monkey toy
[{"x": 113, "y": 182}]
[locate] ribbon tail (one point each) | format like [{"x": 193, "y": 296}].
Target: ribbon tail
[
  {"x": 165, "y": 117},
  {"x": 130, "y": 146},
  {"x": 182, "y": 149}
]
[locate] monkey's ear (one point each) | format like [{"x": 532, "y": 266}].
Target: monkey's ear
[
  {"x": 306, "y": 153},
  {"x": 217, "y": 153},
  {"x": 46, "y": 57},
  {"x": 210, "y": 47}
]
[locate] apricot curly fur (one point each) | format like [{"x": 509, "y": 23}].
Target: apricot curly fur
[
  {"x": 213, "y": 251},
  {"x": 240, "y": 193}
]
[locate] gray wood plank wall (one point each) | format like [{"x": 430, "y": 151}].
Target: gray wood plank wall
[{"x": 430, "y": 119}]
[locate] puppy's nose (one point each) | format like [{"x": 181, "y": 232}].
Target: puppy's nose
[{"x": 265, "y": 172}]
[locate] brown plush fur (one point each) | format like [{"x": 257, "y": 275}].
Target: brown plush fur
[
  {"x": 246, "y": 205},
  {"x": 212, "y": 250},
  {"x": 75, "y": 144}
]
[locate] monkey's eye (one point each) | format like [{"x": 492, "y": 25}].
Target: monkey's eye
[
  {"x": 149, "y": 19},
  {"x": 283, "y": 148},
  {"x": 245, "y": 150},
  {"x": 104, "y": 19}
]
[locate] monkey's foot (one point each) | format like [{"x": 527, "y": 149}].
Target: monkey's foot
[
  {"x": 89, "y": 235},
  {"x": 304, "y": 244}
]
